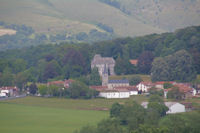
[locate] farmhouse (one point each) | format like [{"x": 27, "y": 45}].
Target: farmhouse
[
  {"x": 144, "y": 86},
  {"x": 65, "y": 83},
  {"x": 116, "y": 92},
  {"x": 134, "y": 62},
  {"x": 123, "y": 93},
  {"x": 101, "y": 62},
  {"x": 186, "y": 89},
  {"x": 174, "y": 107},
  {"x": 9, "y": 91}
]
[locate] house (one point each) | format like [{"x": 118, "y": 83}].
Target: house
[
  {"x": 144, "y": 86},
  {"x": 116, "y": 92},
  {"x": 186, "y": 89},
  {"x": 100, "y": 63},
  {"x": 134, "y": 62},
  {"x": 110, "y": 93},
  {"x": 65, "y": 83},
  {"x": 174, "y": 107},
  {"x": 9, "y": 91},
  {"x": 132, "y": 89}
]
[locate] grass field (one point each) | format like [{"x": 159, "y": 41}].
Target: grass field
[
  {"x": 92, "y": 104},
  {"x": 53, "y": 115},
  {"x": 144, "y": 77},
  {"x": 31, "y": 119}
]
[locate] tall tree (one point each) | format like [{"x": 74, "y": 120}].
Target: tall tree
[
  {"x": 144, "y": 62},
  {"x": 178, "y": 66},
  {"x": 160, "y": 70}
]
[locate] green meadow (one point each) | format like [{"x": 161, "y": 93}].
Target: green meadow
[
  {"x": 54, "y": 115},
  {"x": 22, "y": 118}
]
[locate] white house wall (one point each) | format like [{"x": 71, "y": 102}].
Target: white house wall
[
  {"x": 114, "y": 94},
  {"x": 142, "y": 87},
  {"x": 176, "y": 108},
  {"x": 133, "y": 92}
]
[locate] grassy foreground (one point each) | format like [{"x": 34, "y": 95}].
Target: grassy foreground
[
  {"x": 16, "y": 118},
  {"x": 53, "y": 115}
]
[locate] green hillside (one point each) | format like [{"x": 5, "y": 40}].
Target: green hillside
[
  {"x": 71, "y": 16},
  {"x": 165, "y": 14},
  {"x": 127, "y": 17}
]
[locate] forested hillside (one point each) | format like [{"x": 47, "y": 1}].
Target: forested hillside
[{"x": 48, "y": 62}]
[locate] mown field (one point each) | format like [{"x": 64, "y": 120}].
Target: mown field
[
  {"x": 143, "y": 77},
  {"x": 53, "y": 115},
  {"x": 58, "y": 115}
]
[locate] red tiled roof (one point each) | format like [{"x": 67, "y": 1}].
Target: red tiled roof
[
  {"x": 68, "y": 81},
  {"x": 183, "y": 88},
  {"x": 129, "y": 88},
  {"x": 9, "y": 88},
  {"x": 147, "y": 83},
  {"x": 162, "y": 82},
  {"x": 134, "y": 62},
  {"x": 56, "y": 83},
  {"x": 99, "y": 88}
]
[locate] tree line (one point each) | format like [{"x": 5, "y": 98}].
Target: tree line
[
  {"x": 72, "y": 60},
  {"x": 26, "y": 36},
  {"x": 134, "y": 118}
]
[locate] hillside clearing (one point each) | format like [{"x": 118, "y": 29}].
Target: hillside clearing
[{"x": 7, "y": 32}]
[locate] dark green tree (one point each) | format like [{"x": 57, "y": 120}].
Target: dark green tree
[
  {"x": 116, "y": 110},
  {"x": 144, "y": 62},
  {"x": 95, "y": 78},
  {"x": 33, "y": 88},
  {"x": 109, "y": 126},
  {"x": 175, "y": 94},
  {"x": 135, "y": 80},
  {"x": 160, "y": 70}
]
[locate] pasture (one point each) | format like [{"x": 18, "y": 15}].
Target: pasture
[
  {"x": 15, "y": 118},
  {"x": 143, "y": 77},
  {"x": 53, "y": 115}
]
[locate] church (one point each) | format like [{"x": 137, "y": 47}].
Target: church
[
  {"x": 112, "y": 88},
  {"x": 100, "y": 62}
]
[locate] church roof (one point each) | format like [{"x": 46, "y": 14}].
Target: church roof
[
  {"x": 124, "y": 81},
  {"x": 102, "y": 60}
]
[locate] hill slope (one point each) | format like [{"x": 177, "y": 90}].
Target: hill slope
[
  {"x": 71, "y": 16},
  {"x": 165, "y": 14}
]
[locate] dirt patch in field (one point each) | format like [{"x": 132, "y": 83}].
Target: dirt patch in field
[{"x": 7, "y": 32}]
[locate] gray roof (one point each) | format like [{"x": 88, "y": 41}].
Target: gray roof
[
  {"x": 168, "y": 104},
  {"x": 119, "y": 81},
  {"x": 105, "y": 71},
  {"x": 102, "y": 60}
]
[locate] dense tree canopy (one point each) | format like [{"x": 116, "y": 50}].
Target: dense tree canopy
[
  {"x": 63, "y": 61},
  {"x": 178, "y": 66}
]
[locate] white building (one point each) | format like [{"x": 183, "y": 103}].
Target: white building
[
  {"x": 174, "y": 107},
  {"x": 144, "y": 86},
  {"x": 115, "y": 94}
]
